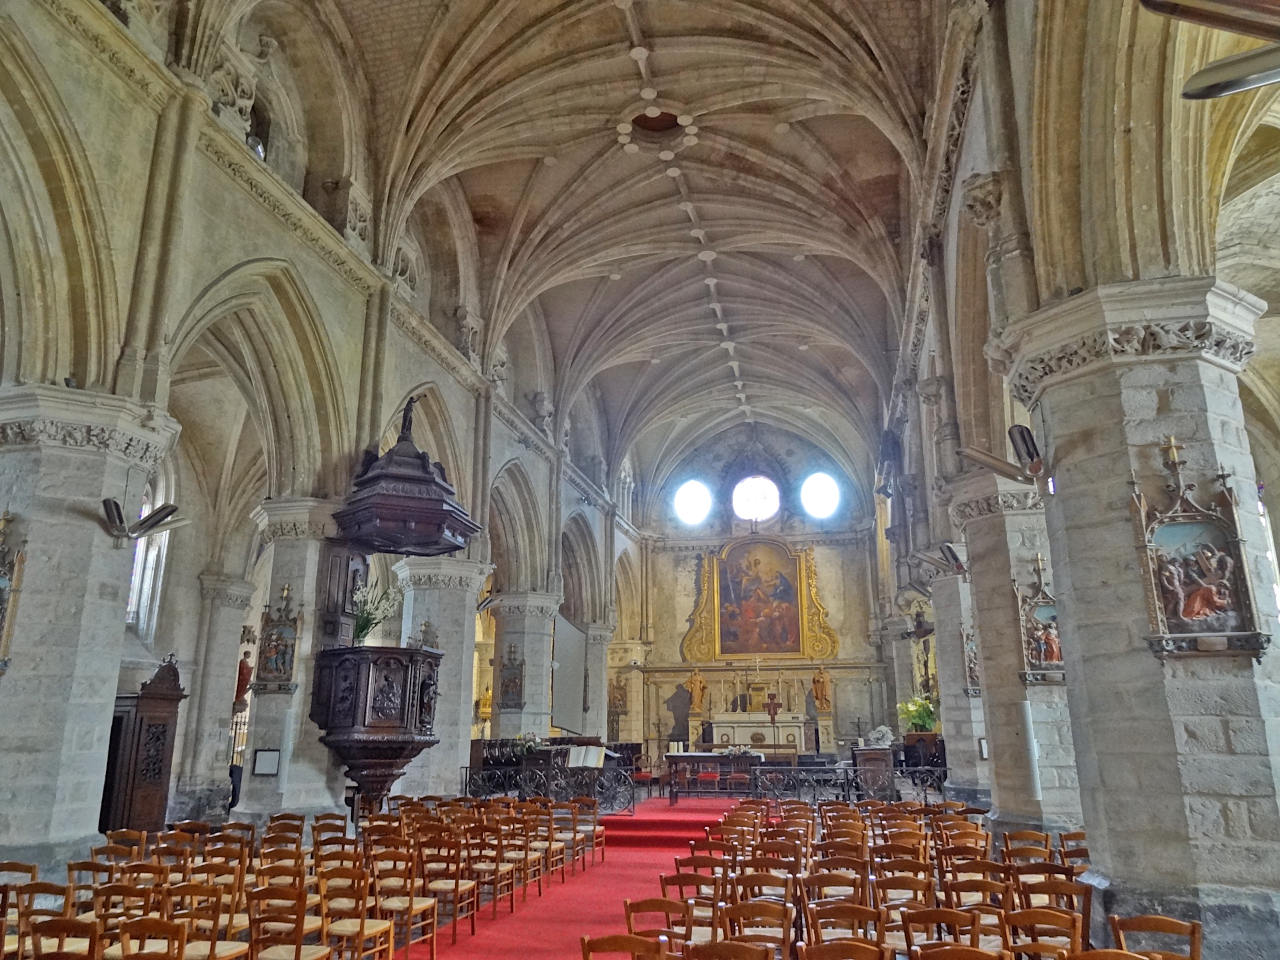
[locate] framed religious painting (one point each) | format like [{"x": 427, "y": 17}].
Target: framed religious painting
[
  {"x": 277, "y": 647},
  {"x": 1038, "y": 622},
  {"x": 1199, "y": 595},
  {"x": 758, "y": 598}
]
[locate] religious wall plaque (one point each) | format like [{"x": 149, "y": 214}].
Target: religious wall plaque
[
  {"x": 1038, "y": 621},
  {"x": 1199, "y": 595}
]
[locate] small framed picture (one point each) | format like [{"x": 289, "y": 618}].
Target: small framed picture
[
  {"x": 984, "y": 752},
  {"x": 266, "y": 763}
]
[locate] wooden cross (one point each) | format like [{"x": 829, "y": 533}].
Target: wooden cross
[{"x": 772, "y": 706}]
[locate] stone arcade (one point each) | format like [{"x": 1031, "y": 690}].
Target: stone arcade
[{"x": 716, "y": 319}]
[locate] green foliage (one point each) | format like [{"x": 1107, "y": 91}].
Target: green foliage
[{"x": 919, "y": 713}]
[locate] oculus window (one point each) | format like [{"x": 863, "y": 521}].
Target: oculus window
[
  {"x": 820, "y": 495},
  {"x": 756, "y": 498},
  {"x": 692, "y": 502}
]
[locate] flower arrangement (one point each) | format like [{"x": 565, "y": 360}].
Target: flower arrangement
[
  {"x": 529, "y": 742},
  {"x": 918, "y": 713},
  {"x": 372, "y": 606}
]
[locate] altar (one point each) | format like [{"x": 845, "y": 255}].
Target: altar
[{"x": 755, "y": 730}]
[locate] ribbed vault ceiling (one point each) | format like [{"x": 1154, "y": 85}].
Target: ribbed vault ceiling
[{"x": 742, "y": 262}]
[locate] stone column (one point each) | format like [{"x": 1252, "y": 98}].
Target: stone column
[
  {"x": 1033, "y": 778},
  {"x": 596, "y": 696},
  {"x": 309, "y": 778},
  {"x": 896, "y": 645},
  {"x": 963, "y": 722},
  {"x": 203, "y": 784},
  {"x": 442, "y": 592},
  {"x": 522, "y": 663},
  {"x": 61, "y": 453},
  {"x": 1178, "y": 757}
]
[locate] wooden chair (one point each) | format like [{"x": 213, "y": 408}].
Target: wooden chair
[
  {"x": 115, "y": 854},
  {"x": 129, "y": 838},
  {"x": 1072, "y": 850},
  {"x": 37, "y": 901},
  {"x": 569, "y": 831},
  {"x": 1041, "y": 932},
  {"x": 233, "y": 918},
  {"x": 1067, "y": 895},
  {"x": 454, "y": 886},
  {"x": 401, "y": 899},
  {"x": 115, "y": 904},
  {"x": 624, "y": 943},
  {"x": 347, "y": 901},
  {"x": 702, "y": 892},
  {"x": 840, "y": 950},
  {"x": 592, "y": 828},
  {"x": 1017, "y": 838},
  {"x": 1107, "y": 955},
  {"x": 656, "y": 917},
  {"x": 828, "y": 920},
  {"x": 1123, "y": 929},
  {"x": 83, "y": 876},
  {"x": 760, "y": 921},
  {"x": 545, "y": 840},
  {"x": 925, "y": 929},
  {"x": 277, "y": 924},
  {"x": 490, "y": 866},
  {"x": 150, "y": 938},
  {"x": 63, "y": 938},
  {"x": 198, "y": 907},
  {"x": 780, "y": 888},
  {"x": 727, "y": 950},
  {"x": 831, "y": 885},
  {"x": 953, "y": 952}
]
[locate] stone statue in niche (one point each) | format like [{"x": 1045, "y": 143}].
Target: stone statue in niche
[
  {"x": 697, "y": 687},
  {"x": 543, "y": 413},
  {"x": 618, "y": 695},
  {"x": 468, "y": 335},
  {"x": 822, "y": 689},
  {"x": 498, "y": 372},
  {"x": 244, "y": 677},
  {"x": 511, "y": 682}
]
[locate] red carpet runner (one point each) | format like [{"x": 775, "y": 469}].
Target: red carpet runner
[{"x": 589, "y": 904}]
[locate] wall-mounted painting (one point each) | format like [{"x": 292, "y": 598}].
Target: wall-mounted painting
[
  {"x": 1038, "y": 621},
  {"x": 758, "y": 598}
]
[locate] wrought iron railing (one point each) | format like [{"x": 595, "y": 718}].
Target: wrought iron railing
[
  {"x": 785, "y": 782},
  {"x": 613, "y": 788}
]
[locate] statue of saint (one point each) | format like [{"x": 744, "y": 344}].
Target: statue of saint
[
  {"x": 244, "y": 676},
  {"x": 697, "y": 685},
  {"x": 822, "y": 689}
]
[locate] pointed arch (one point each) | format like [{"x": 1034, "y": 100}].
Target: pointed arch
[
  {"x": 265, "y": 329},
  {"x": 516, "y": 538},
  {"x": 62, "y": 318},
  {"x": 626, "y": 592},
  {"x": 584, "y": 594}
]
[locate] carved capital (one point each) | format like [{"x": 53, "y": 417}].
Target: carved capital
[
  {"x": 542, "y": 605},
  {"x": 1194, "y": 318},
  {"x": 49, "y": 417},
  {"x": 223, "y": 591},
  {"x": 302, "y": 518},
  {"x": 983, "y": 193},
  {"x": 441, "y": 573},
  {"x": 994, "y": 504}
]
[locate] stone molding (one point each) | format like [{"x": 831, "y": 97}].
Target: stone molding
[
  {"x": 600, "y": 634},
  {"x": 421, "y": 332},
  {"x": 526, "y": 605},
  {"x": 269, "y": 190},
  {"x": 415, "y": 573},
  {"x": 505, "y": 412},
  {"x": 302, "y": 518},
  {"x": 78, "y": 420},
  {"x": 1176, "y": 318},
  {"x": 996, "y": 504},
  {"x": 225, "y": 591},
  {"x": 112, "y": 43}
]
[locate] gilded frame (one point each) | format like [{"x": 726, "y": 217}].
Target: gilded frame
[{"x": 702, "y": 641}]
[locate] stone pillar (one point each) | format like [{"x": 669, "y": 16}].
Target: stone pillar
[
  {"x": 1178, "y": 758},
  {"x": 522, "y": 663},
  {"x": 309, "y": 779},
  {"x": 61, "y": 453},
  {"x": 442, "y": 592},
  {"x": 596, "y": 696},
  {"x": 203, "y": 784},
  {"x": 963, "y": 722},
  {"x": 1033, "y": 778},
  {"x": 897, "y": 646}
]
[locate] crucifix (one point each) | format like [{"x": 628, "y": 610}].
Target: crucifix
[
  {"x": 772, "y": 706},
  {"x": 757, "y": 663}
]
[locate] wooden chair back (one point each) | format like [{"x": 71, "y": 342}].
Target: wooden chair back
[
  {"x": 830, "y": 920},
  {"x": 760, "y": 921},
  {"x": 933, "y": 927},
  {"x": 624, "y": 943},
  {"x": 150, "y": 938},
  {"x": 114, "y": 904},
  {"x": 64, "y": 938},
  {"x": 727, "y": 950},
  {"x": 277, "y": 917},
  {"x": 83, "y": 876},
  {"x": 1145, "y": 926},
  {"x": 840, "y": 950},
  {"x": 198, "y": 907},
  {"x": 1026, "y": 931},
  {"x": 655, "y": 917}
]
